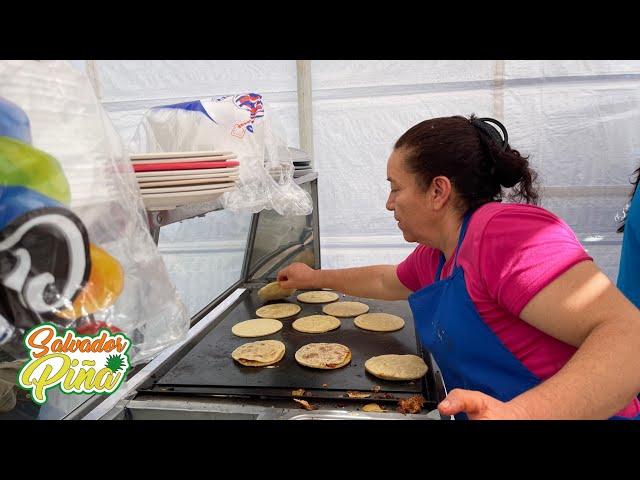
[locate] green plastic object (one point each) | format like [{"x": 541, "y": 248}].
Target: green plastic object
[{"x": 26, "y": 166}]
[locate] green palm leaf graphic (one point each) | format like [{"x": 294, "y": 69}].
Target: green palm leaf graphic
[{"x": 115, "y": 363}]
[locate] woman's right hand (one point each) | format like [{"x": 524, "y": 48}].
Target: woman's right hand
[{"x": 298, "y": 275}]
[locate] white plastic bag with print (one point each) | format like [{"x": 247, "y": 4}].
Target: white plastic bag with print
[
  {"x": 75, "y": 249},
  {"x": 240, "y": 124}
]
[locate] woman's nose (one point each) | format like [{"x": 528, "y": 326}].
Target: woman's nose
[{"x": 389, "y": 204}]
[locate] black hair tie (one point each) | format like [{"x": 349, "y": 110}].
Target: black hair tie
[{"x": 484, "y": 125}]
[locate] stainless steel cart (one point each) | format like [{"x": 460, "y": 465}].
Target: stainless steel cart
[{"x": 197, "y": 379}]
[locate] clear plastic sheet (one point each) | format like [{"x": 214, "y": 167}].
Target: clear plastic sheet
[
  {"x": 240, "y": 124},
  {"x": 75, "y": 249}
]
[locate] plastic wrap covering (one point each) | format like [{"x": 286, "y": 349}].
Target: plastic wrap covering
[
  {"x": 75, "y": 249},
  {"x": 236, "y": 123}
]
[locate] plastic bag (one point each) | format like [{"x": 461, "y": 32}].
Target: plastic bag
[
  {"x": 236, "y": 123},
  {"x": 75, "y": 248}
]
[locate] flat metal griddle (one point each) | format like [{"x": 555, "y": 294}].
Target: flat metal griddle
[{"x": 208, "y": 368}]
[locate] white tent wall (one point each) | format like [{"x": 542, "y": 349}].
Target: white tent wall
[
  {"x": 129, "y": 88},
  {"x": 578, "y": 121}
]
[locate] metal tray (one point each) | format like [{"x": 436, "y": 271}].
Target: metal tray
[{"x": 208, "y": 368}]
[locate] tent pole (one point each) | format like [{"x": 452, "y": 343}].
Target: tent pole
[
  {"x": 498, "y": 90},
  {"x": 305, "y": 107}
]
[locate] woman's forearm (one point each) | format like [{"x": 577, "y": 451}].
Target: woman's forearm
[
  {"x": 601, "y": 378},
  {"x": 368, "y": 282}
]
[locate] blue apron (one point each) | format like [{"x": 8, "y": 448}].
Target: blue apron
[{"x": 467, "y": 351}]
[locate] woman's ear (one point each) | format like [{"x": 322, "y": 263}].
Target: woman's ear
[{"x": 440, "y": 192}]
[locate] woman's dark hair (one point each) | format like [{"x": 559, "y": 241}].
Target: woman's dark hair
[
  {"x": 473, "y": 155},
  {"x": 635, "y": 187}
]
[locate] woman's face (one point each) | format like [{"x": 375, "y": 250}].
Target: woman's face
[{"x": 410, "y": 205}]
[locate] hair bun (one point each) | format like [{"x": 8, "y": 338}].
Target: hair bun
[{"x": 509, "y": 170}]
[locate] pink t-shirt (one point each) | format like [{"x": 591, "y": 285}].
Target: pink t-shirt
[{"x": 509, "y": 254}]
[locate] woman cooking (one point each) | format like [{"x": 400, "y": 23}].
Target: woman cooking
[{"x": 520, "y": 320}]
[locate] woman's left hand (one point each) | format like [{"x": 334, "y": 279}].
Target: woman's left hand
[{"x": 478, "y": 406}]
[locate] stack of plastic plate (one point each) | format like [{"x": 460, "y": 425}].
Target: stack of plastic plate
[
  {"x": 301, "y": 163},
  {"x": 170, "y": 179}
]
